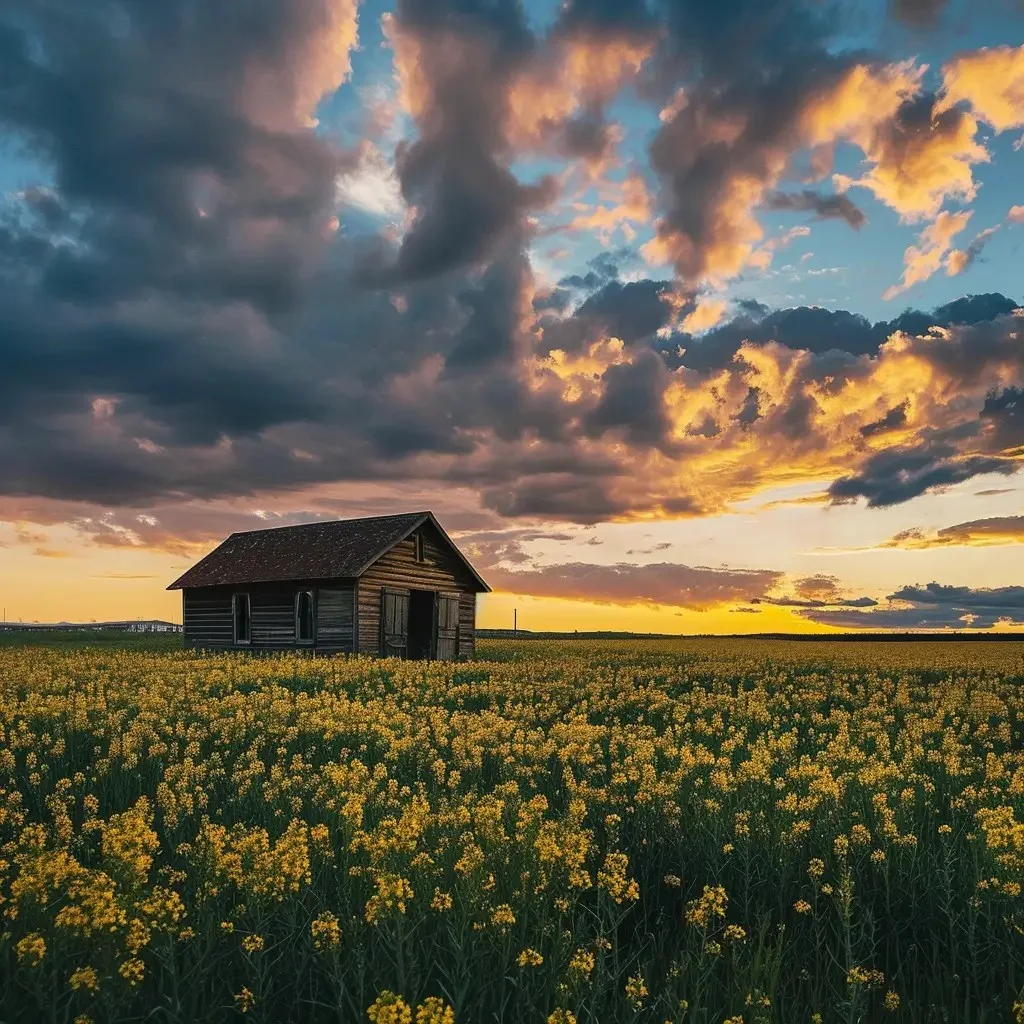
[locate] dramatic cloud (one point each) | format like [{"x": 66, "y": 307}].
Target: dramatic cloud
[{"x": 206, "y": 298}]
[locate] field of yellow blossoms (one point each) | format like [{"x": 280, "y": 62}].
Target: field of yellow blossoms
[{"x": 708, "y": 832}]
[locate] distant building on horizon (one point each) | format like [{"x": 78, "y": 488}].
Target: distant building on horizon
[
  {"x": 124, "y": 625},
  {"x": 389, "y": 585}
]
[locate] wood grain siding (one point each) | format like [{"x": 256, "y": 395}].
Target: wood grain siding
[
  {"x": 208, "y": 623},
  {"x": 467, "y": 625},
  {"x": 439, "y": 570},
  {"x": 334, "y": 617},
  {"x": 206, "y": 617}
]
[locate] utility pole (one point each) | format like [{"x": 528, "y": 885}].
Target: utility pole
[{"x": 515, "y": 627}]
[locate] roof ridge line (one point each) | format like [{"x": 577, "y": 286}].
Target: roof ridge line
[{"x": 320, "y": 522}]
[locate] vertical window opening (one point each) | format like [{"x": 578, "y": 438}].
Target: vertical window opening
[
  {"x": 242, "y": 618},
  {"x": 304, "y": 616},
  {"x": 417, "y": 546}
]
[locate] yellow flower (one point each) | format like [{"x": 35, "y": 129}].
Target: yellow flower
[
  {"x": 434, "y": 1011},
  {"x": 389, "y": 1008},
  {"x": 864, "y": 976},
  {"x": 253, "y": 943},
  {"x": 132, "y": 971},
  {"x": 502, "y": 917},
  {"x": 245, "y": 1000},
  {"x": 31, "y": 949},
  {"x": 83, "y": 1018},
  {"x": 582, "y": 962},
  {"x": 802, "y": 907},
  {"x": 562, "y": 1017},
  {"x": 636, "y": 990},
  {"x": 673, "y": 880},
  {"x": 891, "y": 1001},
  {"x": 734, "y": 933},
  {"x": 529, "y": 958},
  {"x": 326, "y": 931},
  {"x": 84, "y": 977},
  {"x": 707, "y": 907},
  {"x": 441, "y": 902}
]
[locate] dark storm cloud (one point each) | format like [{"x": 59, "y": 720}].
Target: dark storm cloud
[
  {"x": 896, "y": 475},
  {"x": 588, "y": 137},
  {"x": 632, "y": 402},
  {"x": 934, "y": 606},
  {"x": 178, "y": 319},
  {"x": 633, "y": 311},
  {"x": 750, "y": 68},
  {"x": 895, "y": 418},
  {"x": 819, "y": 330},
  {"x": 824, "y": 206},
  {"x": 1003, "y": 419},
  {"x": 456, "y": 173}
]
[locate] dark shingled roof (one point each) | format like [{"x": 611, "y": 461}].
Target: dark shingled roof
[{"x": 330, "y": 550}]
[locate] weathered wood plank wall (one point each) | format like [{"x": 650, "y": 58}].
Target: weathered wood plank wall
[
  {"x": 440, "y": 570},
  {"x": 207, "y": 616}
]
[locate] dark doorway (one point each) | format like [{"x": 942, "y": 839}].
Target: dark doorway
[{"x": 421, "y": 623}]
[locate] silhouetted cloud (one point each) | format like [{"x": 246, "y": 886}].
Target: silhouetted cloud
[
  {"x": 899, "y": 474},
  {"x": 933, "y": 606},
  {"x": 895, "y": 418},
  {"x": 824, "y": 206}
]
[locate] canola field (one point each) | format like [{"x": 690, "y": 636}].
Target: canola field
[{"x": 700, "y": 832}]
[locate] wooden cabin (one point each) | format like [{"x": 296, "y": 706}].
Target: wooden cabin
[{"x": 388, "y": 585}]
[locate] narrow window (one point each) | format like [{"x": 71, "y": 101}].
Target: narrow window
[
  {"x": 240, "y": 614},
  {"x": 304, "y": 616},
  {"x": 417, "y": 546}
]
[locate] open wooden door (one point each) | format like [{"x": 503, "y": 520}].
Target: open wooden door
[
  {"x": 447, "y": 638},
  {"x": 394, "y": 623}
]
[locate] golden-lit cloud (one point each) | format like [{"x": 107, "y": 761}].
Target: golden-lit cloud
[
  {"x": 996, "y": 530},
  {"x": 991, "y": 81},
  {"x": 933, "y": 246},
  {"x": 577, "y": 72},
  {"x": 707, "y": 313}
]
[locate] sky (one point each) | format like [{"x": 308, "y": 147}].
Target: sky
[{"x": 681, "y": 316}]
